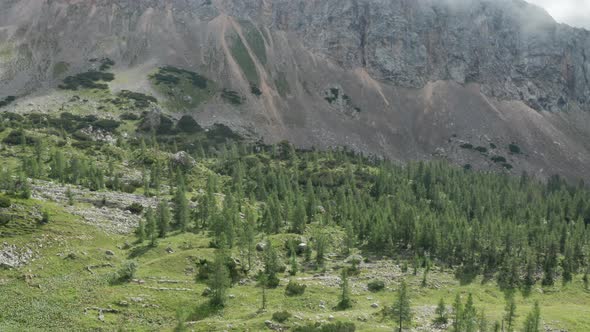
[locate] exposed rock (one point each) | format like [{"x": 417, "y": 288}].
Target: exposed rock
[
  {"x": 260, "y": 246},
  {"x": 109, "y": 253},
  {"x": 183, "y": 160}
]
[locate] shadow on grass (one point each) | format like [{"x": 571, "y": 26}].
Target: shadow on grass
[
  {"x": 139, "y": 250},
  {"x": 204, "y": 310}
]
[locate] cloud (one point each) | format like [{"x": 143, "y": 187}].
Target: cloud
[{"x": 572, "y": 12}]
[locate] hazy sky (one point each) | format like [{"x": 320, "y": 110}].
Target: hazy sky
[{"x": 573, "y": 12}]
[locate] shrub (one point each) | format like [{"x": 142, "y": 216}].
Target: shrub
[
  {"x": 294, "y": 289},
  {"x": 107, "y": 124},
  {"x": 255, "y": 90},
  {"x": 140, "y": 100},
  {"x": 129, "y": 116},
  {"x": 514, "y": 149},
  {"x": 135, "y": 208},
  {"x": 45, "y": 218},
  {"x": 466, "y": 146},
  {"x": 376, "y": 285},
  {"x": 232, "y": 97},
  {"x": 87, "y": 80},
  {"x": 188, "y": 125},
  {"x": 330, "y": 327},
  {"x": 125, "y": 273},
  {"x": 5, "y": 202},
  {"x": 281, "y": 316},
  {"x": 481, "y": 149},
  {"x": 498, "y": 159}
]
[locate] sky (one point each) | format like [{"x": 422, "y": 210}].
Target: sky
[{"x": 573, "y": 12}]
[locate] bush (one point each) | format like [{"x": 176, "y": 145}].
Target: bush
[
  {"x": 281, "y": 316},
  {"x": 125, "y": 273},
  {"x": 498, "y": 159},
  {"x": 129, "y": 116},
  {"x": 514, "y": 149},
  {"x": 5, "y": 202},
  {"x": 330, "y": 327},
  {"x": 135, "y": 208},
  {"x": 188, "y": 125},
  {"x": 107, "y": 124},
  {"x": 481, "y": 149},
  {"x": 466, "y": 146},
  {"x": 376, "y": 285},
  {"x": 294, "y": 289},
  {"x": 45, "y": 218},
  {"x": 88, "y": 80}
]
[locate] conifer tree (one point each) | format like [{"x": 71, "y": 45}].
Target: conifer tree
[
  {"x": 181, "y": 213},
  {"x": 345, "y": 301},
  {"x": 441, "y": 313},
  {"x": 219, "y": 280},
  {"x": 533, "y": 319},
  {"x": 458, "y": 323},
  {"x": 151, "y": 227},
  {"x": 401, "y": 310},
  {"x": 510, "y": 312},
  {"x": 163, "y": 219}
]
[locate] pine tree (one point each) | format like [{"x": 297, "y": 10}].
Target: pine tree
[
  {"x": 482, "y": 322},
  {"x": 248, "y": 235},
  {"x": 163, "y": 219},
  {"x": 219, "y": 280},
  {"x": 151, "y": 227},
  {"x": 271, "y": 265},
  {"x": 533, "y": 319},
  {"x": 470, "y": 315},
  {"x": 458, "y": 323},
  {"x": 442, "y": 317},
  {"x": 181, "y": 214},
  {"x": 401, "y": 310},
  {"x": 345, "y": 301},
  {"x": 140, "y": 231},
  {"x": 510, "y": 312},
  {"x": 299, "y": 216}
]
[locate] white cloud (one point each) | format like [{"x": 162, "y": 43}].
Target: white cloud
[{"x": 573, "y": 12}]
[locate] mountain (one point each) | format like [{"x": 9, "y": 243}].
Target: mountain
[{"x": 488, "y": 84}]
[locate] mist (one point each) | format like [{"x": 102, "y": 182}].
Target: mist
[{"x": 572, "y": 12}]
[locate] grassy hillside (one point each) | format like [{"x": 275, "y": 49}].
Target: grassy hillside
[{"x": 76, "y": 184}]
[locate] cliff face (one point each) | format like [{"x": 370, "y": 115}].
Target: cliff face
[{"x": 403, "y": 78}]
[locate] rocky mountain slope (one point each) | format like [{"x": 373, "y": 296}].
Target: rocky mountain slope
[{"x": 473, "y": 81}]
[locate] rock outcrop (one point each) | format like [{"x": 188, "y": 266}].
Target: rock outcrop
[{"x": 408, "y": 79}]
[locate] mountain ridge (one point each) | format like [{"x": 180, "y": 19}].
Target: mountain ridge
[{"x": 403, "y": 79}]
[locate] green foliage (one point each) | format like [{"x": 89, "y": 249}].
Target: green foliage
[
  {"x": 188, "y": 125},
  {"x": 87, "y": 80},
  {"x": 5, "y": 202},
  {"x": 140, "y": 100},
  {"x": 499, "y": 159},
  {"x": 481, "y": 149},
  {"x": 244, "y": 60},
  {"x": 219, "y": 280},
  {"x": 124, "y": 274},
  {"x": 281, "y": 316},
  {"x": 232, "y": 97},
  {"x": 533, "y": 319},
  {"x": 7, "y": 101},
  {"x": 466, "y": 146},
  {"x": 327, "y": 327},
  {"x": 442, "y": 315},
  {"x": 294, "y": 289},
  {"x": 345, "y": 300},
  {"x": 514, "y": 148},
  {"x": 376, "y": 286},
  {"x": 401, "y": 310},
  {"x": 135, "y": 208},
  {"x": 510, "y": 312}
]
